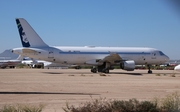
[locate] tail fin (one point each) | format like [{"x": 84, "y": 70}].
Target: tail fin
[{"x": 28, "y": 36}]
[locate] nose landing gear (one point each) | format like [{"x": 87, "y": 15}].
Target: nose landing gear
[{"x": 149, "y": 69}]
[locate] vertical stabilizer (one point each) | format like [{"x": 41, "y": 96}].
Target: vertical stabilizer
[{"x": 28, "y": 36}]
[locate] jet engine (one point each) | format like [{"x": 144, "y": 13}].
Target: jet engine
[{"x": 127, "y": 65}]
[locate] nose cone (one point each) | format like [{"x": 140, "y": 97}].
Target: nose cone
[
  {"x": 163, "y": 59},
  {"x": 177, "y": 68},
  {"x": 166, "y": 58}
]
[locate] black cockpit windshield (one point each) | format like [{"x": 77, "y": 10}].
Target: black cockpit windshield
[{"x": 161, "y": 53}]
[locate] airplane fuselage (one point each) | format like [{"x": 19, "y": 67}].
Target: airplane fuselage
[
  {"x": 5, "y": 63},
  {"x": 83, "y": 55}
]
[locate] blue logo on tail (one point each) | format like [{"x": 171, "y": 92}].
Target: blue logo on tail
[{"x": 22, "y": 34}]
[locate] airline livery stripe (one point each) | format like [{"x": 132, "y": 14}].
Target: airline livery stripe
[{"x": 133, "y": 53}]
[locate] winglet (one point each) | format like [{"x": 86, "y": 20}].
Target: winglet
[{"x": 28, "y": 36}]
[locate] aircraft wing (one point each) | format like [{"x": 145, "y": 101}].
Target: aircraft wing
[
  {"x": 112, "y": 58},
  {"x": 33, "y": 51}
]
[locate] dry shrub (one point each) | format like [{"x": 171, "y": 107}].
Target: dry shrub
[
  {"x": 22, "y": 108},
  {"x": 102, "y": 74},
  {"x": 171, "y": 103},
  {"x": 82, "y": 75},
  {"x": 97, "y": 105},
  {"x": 103, "y": 105},
  {"x": 158, "y": 74},
  {"x": 173, "y": 75}
]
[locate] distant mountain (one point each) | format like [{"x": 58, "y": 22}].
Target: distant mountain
[{"x": 7, "y": 54}]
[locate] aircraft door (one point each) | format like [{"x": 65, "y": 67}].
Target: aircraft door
[
  {"x": 51, "y": 54},
  {"x": 153, "y": 55}
]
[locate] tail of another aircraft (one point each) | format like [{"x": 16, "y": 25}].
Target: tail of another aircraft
[{"x": 28, "y": 36}]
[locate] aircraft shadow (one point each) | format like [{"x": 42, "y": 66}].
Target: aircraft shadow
[
  {"x": 67, "y": 73},
  {"x": 137, "y": 74},
  {"x": 52, "y": 73},
  {"x": 52, "y": 93}
]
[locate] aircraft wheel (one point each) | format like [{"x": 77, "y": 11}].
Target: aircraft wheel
[
  {"x": 150, "y": 71},
  {"x": 106, "y": 70},
  {"x": 94, "y": 70}
]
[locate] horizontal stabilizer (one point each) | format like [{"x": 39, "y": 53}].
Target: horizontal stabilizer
[{"x": 29, "y": 51}]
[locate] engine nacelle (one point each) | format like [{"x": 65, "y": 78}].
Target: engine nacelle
[{"x": 127, "y": 65}]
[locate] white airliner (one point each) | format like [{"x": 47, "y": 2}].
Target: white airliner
[
  {"x": 101, "y": 57},
  {"x": 35, "y": 63},
  {"x": 177, "y": 68}
]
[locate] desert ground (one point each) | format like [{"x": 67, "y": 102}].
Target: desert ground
[{"x": 55, "y": 87}]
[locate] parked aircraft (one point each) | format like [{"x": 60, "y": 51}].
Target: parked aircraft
[
  {"x": 177, "y": 68},
  {"x": 40, "y": 63},
  {"x": 101, "y": 57},
  {"x": 35, "y": 63},
  {"x": 10, "y": 63}
]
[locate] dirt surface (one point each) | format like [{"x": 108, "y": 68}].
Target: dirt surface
[{"x": 55, "y": 87}]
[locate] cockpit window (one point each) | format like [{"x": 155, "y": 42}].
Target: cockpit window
[{"x": 161, "y": 53}]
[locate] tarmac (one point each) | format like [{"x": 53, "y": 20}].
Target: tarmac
[{"x": 55, "y": 87}]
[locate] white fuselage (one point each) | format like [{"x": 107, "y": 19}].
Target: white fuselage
[
  {"x": 81, "y": 55},
  {"x": 177, "y": 68}
]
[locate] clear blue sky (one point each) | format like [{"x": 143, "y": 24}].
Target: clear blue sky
[{"x": 134, "y": 23}]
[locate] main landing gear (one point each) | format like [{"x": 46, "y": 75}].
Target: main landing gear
[
  {"x": 94, "y": 69},
  {"x": 102, "y": 68},
  {"x": 149, "y": 69}
]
